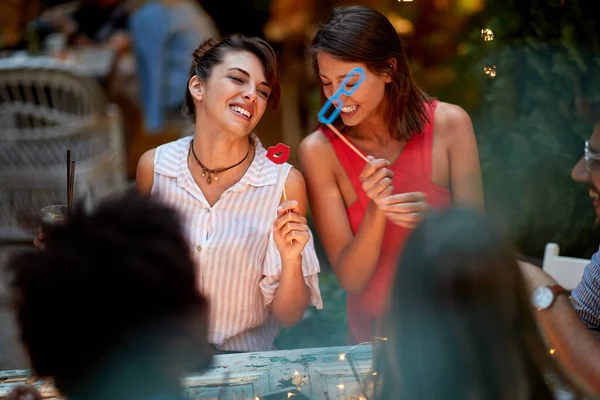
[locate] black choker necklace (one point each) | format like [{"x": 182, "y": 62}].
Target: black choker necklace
[{"x": 210, "y": 172}]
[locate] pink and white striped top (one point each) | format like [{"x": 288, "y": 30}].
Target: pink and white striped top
[{"x": 233, "y": 247}]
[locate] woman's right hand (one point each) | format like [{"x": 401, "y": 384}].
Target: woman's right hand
[{"x": 376, "y": 179}]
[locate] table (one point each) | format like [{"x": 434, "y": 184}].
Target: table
[{"x": 319, "y": 373}]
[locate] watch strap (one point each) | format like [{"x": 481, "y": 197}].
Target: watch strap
[{"x": 557, "y": 290}]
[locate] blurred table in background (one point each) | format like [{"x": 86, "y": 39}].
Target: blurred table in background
[{"x": 96, "y": 62}]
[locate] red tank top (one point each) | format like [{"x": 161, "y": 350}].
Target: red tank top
[{"x": 412, "y": 173}]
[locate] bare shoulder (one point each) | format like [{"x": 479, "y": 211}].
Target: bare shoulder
[
  {"x": 295, "y": 180},
  {"x": 453, "y": 126},
  {"x": 315, "y": 138},
  {"x": 314, "y": 142},
  {"x": 315, "y": 148},
  {"x": 145, "y": 172},
  {"x": 450, "y": 116},
  {"x": 295, "y": 188}
]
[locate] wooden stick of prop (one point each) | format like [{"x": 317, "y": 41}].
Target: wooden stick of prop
[
  {"x": 279, "y": 154},
  {"x": 348, "y": 143}
]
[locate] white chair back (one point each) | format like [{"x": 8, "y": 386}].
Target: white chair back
[
  {"x": 567, "y": 271},
  {"x": 47, "y": 107}
]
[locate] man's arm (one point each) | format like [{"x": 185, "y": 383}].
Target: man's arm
[{"x": 575, "y": 346}]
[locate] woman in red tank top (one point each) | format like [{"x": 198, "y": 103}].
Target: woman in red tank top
[{"x": 422, "y": 153}]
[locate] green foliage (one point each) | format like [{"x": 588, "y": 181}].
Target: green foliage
[
  {"x": 320, "y": 328},
  {"x": 528, "y": 128}
]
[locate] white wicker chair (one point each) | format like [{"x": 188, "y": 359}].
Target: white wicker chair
[{"x": 47, "y": 107}]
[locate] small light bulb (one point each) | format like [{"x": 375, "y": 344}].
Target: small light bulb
[
  {"x": 487, "y": 34},
  {"x": 340, "y": 386},
  {"x": 552, "y": 351},
  {"x": 342, "y": 356},
  {"x": 490, "y": 70}
]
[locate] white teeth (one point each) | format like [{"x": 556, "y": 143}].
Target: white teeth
[
  {"x": 348, "y": 109},
  {"x": 242, "y": 111}
]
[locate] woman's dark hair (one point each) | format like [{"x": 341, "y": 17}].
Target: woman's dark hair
[
  {"x": 460, "y": 323},
  {"x": 212, "y": 52},
  {"x": 104, "y": 278},
  {"x": 361, "y": 34}
]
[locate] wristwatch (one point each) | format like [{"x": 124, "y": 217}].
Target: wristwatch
[{"x": 543, "y": 297}]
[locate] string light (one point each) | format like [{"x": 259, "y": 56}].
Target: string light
[
  {"x": 374, "y": 373},
  {"x": 340, "y": 386},
  {"x": 487, "y": 34},
  {"x": 290, "y": 394},
  {"x": 552, "y": 351},
  {"x": 405, "y": 1},
  {"x": 377, "y": 339},
  {"x": 490, "y": 71},
  {"x": 297, "y": 380}
]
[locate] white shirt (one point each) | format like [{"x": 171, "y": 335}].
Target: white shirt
[{"x": 238, "y": 264}]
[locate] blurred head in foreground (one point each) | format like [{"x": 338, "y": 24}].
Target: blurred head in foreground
[
  {"x": 112, "y": 302},
  {"x": 460, "y": 323}
]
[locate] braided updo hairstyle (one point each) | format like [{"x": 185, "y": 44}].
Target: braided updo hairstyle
[{"x": 212, "y": 52}]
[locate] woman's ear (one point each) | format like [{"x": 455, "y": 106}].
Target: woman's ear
[
  {"x": 392, "y": 64},
  {"x": 196, "y": 88}
]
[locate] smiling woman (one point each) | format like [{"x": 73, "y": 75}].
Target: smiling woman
[
  {"x": 254, "y": 252},
  {"x": 419, "y": 153}
]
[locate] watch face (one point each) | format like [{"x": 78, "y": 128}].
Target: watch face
[{"x": 542, "y": 297}]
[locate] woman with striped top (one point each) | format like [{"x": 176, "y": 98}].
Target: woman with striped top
[{"x": 254, "y": 252}]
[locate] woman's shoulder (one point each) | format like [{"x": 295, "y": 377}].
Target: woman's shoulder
[
  {"x": 452, "y": 122},
  {"x": 315, "y": 146},
  {"x": 173, "y": 149},
  {"x": 315, "y": 138},
  {"x": 448, "y": 115},
  {"x": 164, "y": 158}
]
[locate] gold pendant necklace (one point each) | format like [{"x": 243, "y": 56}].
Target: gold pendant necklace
[{"x": 207, "y": 172}]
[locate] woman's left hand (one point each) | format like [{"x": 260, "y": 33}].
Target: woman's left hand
[
  {"x": 290, "y": 231},
  {"x": 405, "y": 209}
]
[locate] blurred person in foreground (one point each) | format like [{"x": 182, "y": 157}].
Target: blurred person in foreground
[
  {"x": 572, "y": 323},
  {"x": 459, "y": 325},
  {"x": 109, "y": 309}
]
